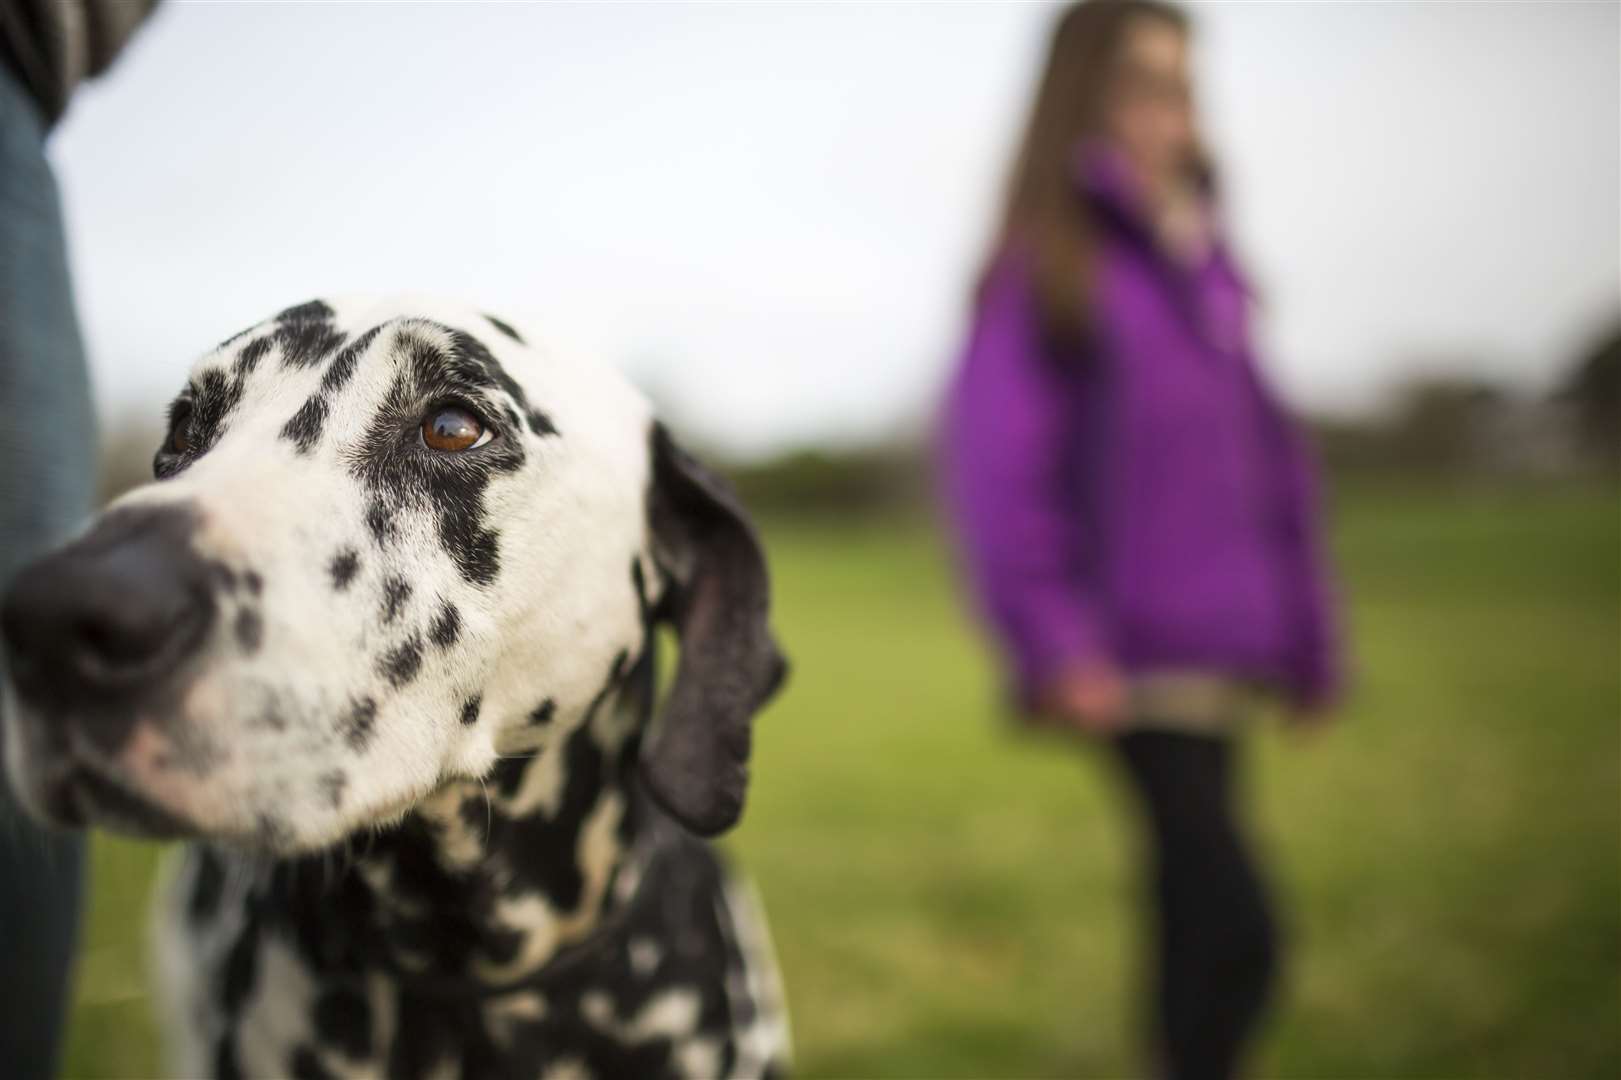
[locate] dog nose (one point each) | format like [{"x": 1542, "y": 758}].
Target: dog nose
[{"x": 112, "y": 613}]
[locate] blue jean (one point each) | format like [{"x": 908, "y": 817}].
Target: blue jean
[{"x": 47, "y": 486}]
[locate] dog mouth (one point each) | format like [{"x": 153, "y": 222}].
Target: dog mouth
[{"x": 81, "y": 796}]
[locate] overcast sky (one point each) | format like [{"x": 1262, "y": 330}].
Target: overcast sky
[{"x": 769, "y": 215}]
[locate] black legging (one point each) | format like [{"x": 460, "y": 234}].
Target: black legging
[{"x": 1216, "y": 943}]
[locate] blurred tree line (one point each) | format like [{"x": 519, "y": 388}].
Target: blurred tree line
[{"x": 1439, "y": 428}]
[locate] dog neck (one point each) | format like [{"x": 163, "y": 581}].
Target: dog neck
[{"x": 489, "y": 881}]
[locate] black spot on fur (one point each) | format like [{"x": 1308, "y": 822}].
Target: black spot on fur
[
  {"x": 252, "y": 353},
  {"x": 304, "y": 428},
  {"x": 345, "y": 564},
  {"x": 425, "y": 1037},
  {"x": 543, "y": 713},
  {"x": 400, "y": 664},
  {"x": 477, "y": 552},
  {"x": 215, "y": 399},
  {"x": 331, "y": 785},
  {"x": 447, "y": 627},
  {"x": 250, "y": 630},
  {"x": 343, "y": 1021},
  {"x": 509, "y": 773},
  {"x": 359, "y": 723},
  {"x": 475, "y": 811},
  {"x": 241, "y": 964},
  {"x": 207, "y": 887},
  {"x": 396, "y": 591},
  {"x": 225, "y": 1066},
  {"x": 379, "y": 521},
  {"x": 223, "y": 576},
  {"x": 306, "y": 1065},
  {"x": 256, "y": 584},
  {"x": 502, "y": 946},
  {"x": 307, "y": 344},
  {"x": 470, "y": 709},
  {"x": 308, "y": 311},
  {"x": 342, "y": 368},
  {"x": 504, "y": 328},
  {"x": 306, "y": 334}
]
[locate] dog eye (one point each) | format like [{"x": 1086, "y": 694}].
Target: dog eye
[
  {"x": 452, "y": 428},
  {"x": 180, "y": 429}
]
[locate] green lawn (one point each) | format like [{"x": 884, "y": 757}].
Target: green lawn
[{"x": 949, "y": 899}]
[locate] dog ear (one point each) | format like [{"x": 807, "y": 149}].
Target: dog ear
[{"x": 717, "y": 599}]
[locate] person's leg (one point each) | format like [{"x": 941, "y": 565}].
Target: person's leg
[
  {"x": 1217, "y": 946},
  {"x": 47, "y": 482}
]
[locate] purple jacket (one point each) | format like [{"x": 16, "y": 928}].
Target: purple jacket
[{"x": 1143, "y": 499}]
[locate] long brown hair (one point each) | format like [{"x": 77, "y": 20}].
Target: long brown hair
[{"x": 1044, "y": 213}]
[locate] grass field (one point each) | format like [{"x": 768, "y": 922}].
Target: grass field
[{"x": 951, "y": 900}]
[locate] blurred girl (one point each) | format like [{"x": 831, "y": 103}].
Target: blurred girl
[{"x": 1135, "y": 510}]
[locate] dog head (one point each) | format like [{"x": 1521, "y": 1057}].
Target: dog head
[{"x": 387, "y": 544}]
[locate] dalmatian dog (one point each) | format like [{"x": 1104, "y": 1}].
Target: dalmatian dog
[{"x": 379, "y": 642}]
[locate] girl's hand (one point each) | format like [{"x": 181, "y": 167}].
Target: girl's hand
[{"x": 1090, "y": 698}]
